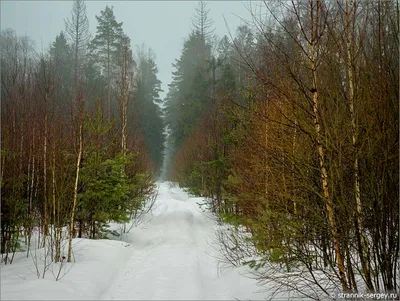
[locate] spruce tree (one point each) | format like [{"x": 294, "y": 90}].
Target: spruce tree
[
  {"x": 201, "y": 21},
  {"x": 189, "y": 92},
  {"x": 77, "y": 30},
  {"x": 62, "y": 60},
  {"x": 105, "y": 45},
  {"x": 104, "y": 183},
  {"x": 147, "y": 100}
]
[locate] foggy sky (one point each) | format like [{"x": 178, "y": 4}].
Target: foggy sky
[{"x": 161, "y": 25}]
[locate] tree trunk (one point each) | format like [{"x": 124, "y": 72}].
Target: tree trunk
[
  {"x": 108, "y": 83},
  {"x": 80, "y": 228},
  {"x": 53, "y": 181},
  {"x": 45, "y": 230},
  {"x": 362, "y": 247},
  {"x": 124, "y": 101},
  {"x": 293, "y": 165},
  {"x": 74, "y": 200},
  {"x": 320, "y": 149},
  {"x": 93, "y": 229}
]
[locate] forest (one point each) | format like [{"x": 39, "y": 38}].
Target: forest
[
  {"x": 291, "y": 130},
  {"x": 288, "y": 128}
]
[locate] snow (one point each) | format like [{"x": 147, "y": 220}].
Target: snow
[{"x": 169, "y": 256}]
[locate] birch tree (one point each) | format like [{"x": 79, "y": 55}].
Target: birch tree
[{"x": 78, "y": 32}]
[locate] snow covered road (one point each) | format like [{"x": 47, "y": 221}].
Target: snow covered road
[
  {"x": 173, "y": 258},
  {"x": 170, "y": 256}
]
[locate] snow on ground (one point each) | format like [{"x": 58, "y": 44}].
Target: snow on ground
[{"x": 169, "y": 256}]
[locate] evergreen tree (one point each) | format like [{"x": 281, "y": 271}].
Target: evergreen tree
[
  {"x": 201, "y": 21},
  {"x": 244, "y": 54},
  {"x": 96, "y": 83},
  {"x": 61, "y": 54},
  {"x": 147, "y": 101},
  {"x": 77, "y": 30},
  {"x": 105, "y": 190},
  {"x": 106, "y": 45},
  {"x": 104, "y": 184},
  {"x": 225, "y": 48},
  {"x": 62, "y": 61},
  {"x": 189, "y": 93}
]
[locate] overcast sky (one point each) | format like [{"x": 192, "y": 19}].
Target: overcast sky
[{"x": 161, "y": 25}]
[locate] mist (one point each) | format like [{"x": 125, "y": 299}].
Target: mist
[{"x": 160, "y": 25}]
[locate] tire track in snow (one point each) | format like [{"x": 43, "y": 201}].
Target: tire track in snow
[
  {"x": 171, "y": 256},
  {"x": 168, "y": 266}
]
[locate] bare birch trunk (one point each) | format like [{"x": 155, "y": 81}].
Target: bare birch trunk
[
  {"x": 314, "y": 20},
  {"x": 325, "y": 188},
  {"x": 266, "y": 159},
  {"x": 350, "y": 75},
  {"x": 80, "y": 33},
  {"x": 108, "y": 84},
  {"x": 3, "y": 161},
  {"x": 53, "y": 182},
  {"x": 293, "y": 164},
  {"x": 124, "y": 122},
  {"x": 33, "y": 172},
  {"x": 74, "y": 200},
  {"x": 45, "y": 232},
  {"x": 30, "y": 184},
  {"x": 124, "y": 105},
  {"x": 124, "y": 102}
]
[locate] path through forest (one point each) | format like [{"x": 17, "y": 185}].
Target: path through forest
[{"x": 173, "y": 256}]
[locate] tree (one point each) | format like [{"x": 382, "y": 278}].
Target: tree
[
  {"x": 125, "y": 84},
  {"x": 295, "y": 133},
  {"x": 105, "y": 45},
  {"x": 62, "y": 60},
  {"x": 78, "y": 32},
  {"x": 201, "y": 22},
  {"x": 55, "y": 168},
  {"x": 147, "y": 104},
  {"x": 350, "y": 12},
  {"x": 104, "y": 184},
  {"x": 314, "y": 50},
  {"x": 184, "y": 103}
]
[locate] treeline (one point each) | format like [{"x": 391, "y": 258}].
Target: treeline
[
  {"x": 291, "y": 130},
  {"x": 81, "y": 133}
]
